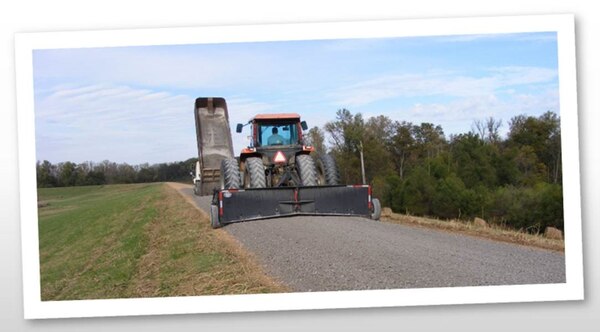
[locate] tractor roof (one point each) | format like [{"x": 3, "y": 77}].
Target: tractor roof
[{"x": 277, "y": 116}]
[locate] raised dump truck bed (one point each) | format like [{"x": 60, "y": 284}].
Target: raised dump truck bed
[
  {"x": 214, "y": 143},
  {"x": 231, "y": 205}
]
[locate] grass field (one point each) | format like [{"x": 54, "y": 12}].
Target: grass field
[{"x": 140, "y": 240}]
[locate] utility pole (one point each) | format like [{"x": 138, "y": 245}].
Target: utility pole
[{"x": 362, "y": 163}]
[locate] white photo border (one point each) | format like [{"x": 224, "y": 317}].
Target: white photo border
[{"x": 563, "y": 25}]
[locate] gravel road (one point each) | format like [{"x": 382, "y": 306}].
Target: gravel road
[{"x": 350, "y": 253}]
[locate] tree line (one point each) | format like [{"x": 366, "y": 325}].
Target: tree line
[
  {"x": 415, "y": 169},
  {"x": 67, "y": 174}
]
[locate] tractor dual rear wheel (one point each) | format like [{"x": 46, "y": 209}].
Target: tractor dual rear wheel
[
  {"x": 230, "y": 174},
  {"x": 327, "y": 171}
]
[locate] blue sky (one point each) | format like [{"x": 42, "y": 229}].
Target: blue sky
[{"x": 135, "y": 104}]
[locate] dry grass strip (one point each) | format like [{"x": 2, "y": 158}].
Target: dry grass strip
[
  {"x": 238, "y": 270},
  {"x": 493, "y": 232}
]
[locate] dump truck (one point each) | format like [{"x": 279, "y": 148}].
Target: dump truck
[
  {"x": 214, "y": 143},
  {"x": 276, "y": 175}
]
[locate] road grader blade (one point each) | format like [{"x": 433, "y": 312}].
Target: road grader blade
[{"x": 233, "y": 205}]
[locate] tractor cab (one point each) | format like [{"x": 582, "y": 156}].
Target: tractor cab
[
  {"x": 277, "y": 155},
  {"x": 273, "y": 130}
]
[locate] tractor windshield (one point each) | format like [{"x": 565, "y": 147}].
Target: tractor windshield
[{"x": 271, "y": 134}]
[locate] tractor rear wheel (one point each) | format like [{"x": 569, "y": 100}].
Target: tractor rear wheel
[
  {"x": 306, "y": 170},
  {"x": 328, "y": 171},
  {"x": 230, "y": 174},
  {"x": 254, "y": 175}
]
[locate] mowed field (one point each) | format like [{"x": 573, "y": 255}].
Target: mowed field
[{"x": 141, "y": 240}]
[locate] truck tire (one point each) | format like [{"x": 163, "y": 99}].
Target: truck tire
[
  {"x": 230, "y": 174},
  {"x": 255, "y": 173},
  {"x": 376, "y": 214},
  {"x": 214, "y": 217},
  {"x": 328, "y": 171},
  {"x": 306, "y": 170},
  {"x": 197, "y": 188}
]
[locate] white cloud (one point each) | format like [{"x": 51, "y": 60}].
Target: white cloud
[
  {"x": 183, "y": 67},
  {"x": 439, "y": 84},
  {"x": 514, "y": 75},
  {"x": 119, "y": 123},
  {"x": 456, "y": 116}
]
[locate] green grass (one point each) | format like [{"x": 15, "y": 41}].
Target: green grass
[
  {"x": 90, "y": 238},
  {"x": 141, "y": 240}
]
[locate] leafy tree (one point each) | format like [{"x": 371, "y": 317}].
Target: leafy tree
[
  {"x": 402, "y": 147},
  {"x": 450, "y": 196},
  {"x": 346, "y": 134},
  {"x": 531, "y": 170},
  {"x": 549, "y": 205},
  {"x": 316, "y": 138},
  {"x": 346, "y": 131},
  {"x": 125, "y": 173},
  {"x": 45, "y": 174},
  {"x": 95, "y": 178},
  {"x": 472, "y": 159},
  {"x": 67, "y": 174},
  {"x": 488, "y": 130},
  {"x": 430, "y": 141},
  {"x": 376, "y": 140},
  {"x": 417, "y": 192},
  {"x": 543, "y": 135},
  {"x": 504, "y": 162},
  {"x": 146, "y": 174}
]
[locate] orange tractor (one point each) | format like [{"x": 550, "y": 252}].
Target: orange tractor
[{"x": 278, "y": 156}]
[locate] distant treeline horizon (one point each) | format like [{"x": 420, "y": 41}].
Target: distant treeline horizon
[{"x": 66, "y": 174}]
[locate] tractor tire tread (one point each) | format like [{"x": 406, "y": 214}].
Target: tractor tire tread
[
  {"x": 230, "y": 172},
  {"x": 306, "y": 170},
  {"x": 256, "y": 172},
  {"x": 330, "y": 171}
]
